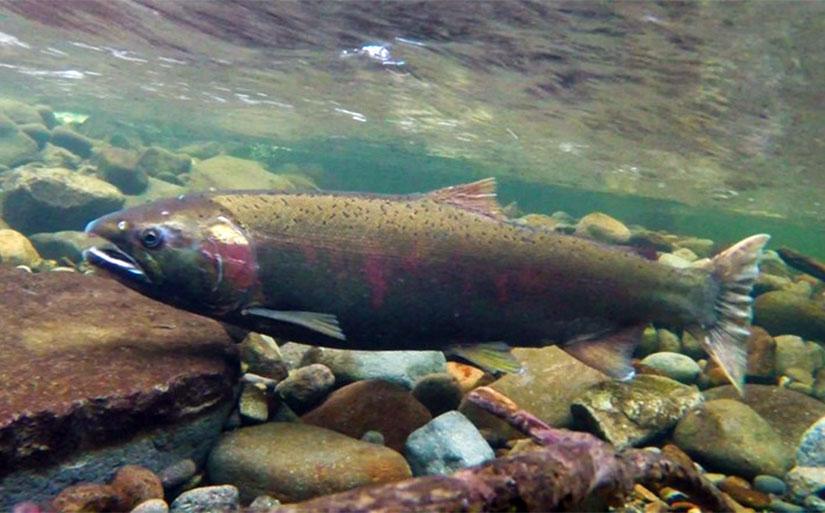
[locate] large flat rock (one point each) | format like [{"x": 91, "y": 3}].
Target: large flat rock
[{"x": 87, "y": 364}]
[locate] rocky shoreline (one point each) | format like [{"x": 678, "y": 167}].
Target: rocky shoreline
[{"x": 113, "y": 402}]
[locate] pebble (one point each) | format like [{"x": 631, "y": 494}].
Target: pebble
[
  {"x": 262, "y": 504},
  {"x": 305, "y": 387},
  {"x": 439, "y": 392},
  {"x": 668, "y": 342},
  {"x": 692, "y": 347},
  {"x": 178, "y": 473},
  {"x": 446, "y": 444},
  {"x": 781, "y": 506},
  {"x": 373, "y": 437},
  {"x": 15, "y": 249},
  {"x": 401, "y": 367},
  {"x": 253, "y": 404},
  {"x": 792, "y": 351},
  {"x": 770, "y": 484},
  {"x": 761, "y": 354},
  {"x": 136, "y": 484},
  {"x": 151, "y": 506},
  {"x": 260, "y": 355},
  {"x": 801, "y": 376},
  {"x": 811, "y": 450},
  {"x": 207, "y": 499},
  {"x": 674, "y": 365},
  {"x": 603, "y": 228},
  {"x": 673, "y": 261}
]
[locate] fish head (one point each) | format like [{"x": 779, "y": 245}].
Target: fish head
[{"x": 184, "y": 251}]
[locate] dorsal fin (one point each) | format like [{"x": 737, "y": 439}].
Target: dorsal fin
[{"x": 477, "y": 196}]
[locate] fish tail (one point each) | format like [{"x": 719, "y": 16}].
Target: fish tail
[{"x": 734, "y": 272}]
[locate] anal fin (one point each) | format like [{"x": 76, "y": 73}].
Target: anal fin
[
  {"x": 609, "y": 352},
  {"x": 326, "y": 324},
  {"x": 490, "y": 356}
]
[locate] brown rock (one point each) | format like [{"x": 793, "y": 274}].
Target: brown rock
[
  {"x": 782, "y": 312},
  {"x": 88, "y": 498},
  {"x": 87, "y": 362},
  {"x": 468, "y": 377},
  {"x": 371, "y": 405},
  {"x": 135, "y": 484},
  {"x": 761, "y": 354},
  {"x": 293, "y": 461},
  {"x": 744, "y": 495},
  {"x": 789, "y": 413}
]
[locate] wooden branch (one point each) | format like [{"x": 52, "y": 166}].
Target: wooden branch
[{"x": 568, "y": 471}]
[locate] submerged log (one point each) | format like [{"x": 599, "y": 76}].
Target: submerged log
[
  {"x": 568, "y": 471},
  {"x": 802, "y": 262}
]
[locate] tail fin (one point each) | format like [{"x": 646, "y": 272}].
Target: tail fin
[{"x": 735, "y": 270}]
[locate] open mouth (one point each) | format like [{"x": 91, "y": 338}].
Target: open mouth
[{"x": 116, "y": 261}]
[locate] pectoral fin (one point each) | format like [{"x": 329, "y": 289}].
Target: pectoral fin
[
  {"x": 490, "y": 356},
  {"x": 326, "y": 324},
  {"x": 609, "y": 352}
]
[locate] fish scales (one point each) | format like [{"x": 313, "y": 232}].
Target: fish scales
[
  {"x": 438, "y": 273},
  {"x": 440, "y": 270}
]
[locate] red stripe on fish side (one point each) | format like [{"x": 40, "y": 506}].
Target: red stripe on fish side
[
  {"x": 238, "y": 262},
  {"x": 501, "y": 282},
  {"x": 376, "y": 275}
]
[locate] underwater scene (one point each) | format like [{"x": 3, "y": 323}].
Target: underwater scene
[{"x": 412, "y": 256}]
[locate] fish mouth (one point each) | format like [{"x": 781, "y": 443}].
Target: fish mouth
[{"x": 113, "y": 259}]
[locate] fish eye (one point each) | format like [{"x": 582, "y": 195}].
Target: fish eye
[{"x": 151, "y": 238}]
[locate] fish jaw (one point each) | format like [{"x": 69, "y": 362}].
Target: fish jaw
[{"x": 109, "y": 255}]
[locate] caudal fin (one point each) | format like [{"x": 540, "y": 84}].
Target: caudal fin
[{"x": 735, "y": 271}]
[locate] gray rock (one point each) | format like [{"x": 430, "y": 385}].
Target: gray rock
[
  {"x": 208, "y": 499},
  {"x": 119, "y": 167},
  {"x": 38, "y": 132},
  {"x": 178, "y": 473},
  {"x": 731, "y": 437},
  {"x": 543, "y": 370},
  {"x": 55, "y": 156},
  {"x": 400, "y": 367},
  {"x": 151, "y": 506},
  {"x": 770, "y": 484},
  {"x": 674, "y": 365},
  {"x": 262, "y": 504},
  {"x": 811, "y": 451},
  {"x": 668, "y": 342},
  {"x": 781, "y": 506},
  {"x": 792, "y": 351},
  {"x": 782, "y": 312},
  {"x": 673, "y": 261},
  {"x": 373, "y": 437},
  {"x": 15, "y": 146},
  {"x": 306, "y": 387},
  {"x": 16, "y": 249},
  {"x": 253, "y": 404},
  {"x": 76, "y": 143},
  {"x": 54, "y": 199},
  {"x": 446, "y": 444},
  {"x": 630, "y": 413},
  {"x": 293, "y": 353},
  {"x": 602, "y": 227},
  {"x": 19, "y": 112},
  {"x": 157, "y": 161},
  {"x": 293, "y": 462},
  {"x": 805, "y": 481},
  {"x": 66, "y": 244}
]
